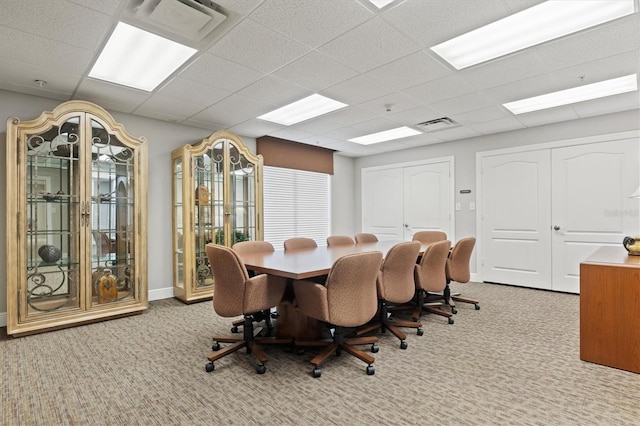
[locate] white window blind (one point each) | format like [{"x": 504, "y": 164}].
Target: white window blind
[{"x": 296, "y": 204}]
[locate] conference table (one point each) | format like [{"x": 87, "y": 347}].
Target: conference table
[{"x": 300, "y": 264}]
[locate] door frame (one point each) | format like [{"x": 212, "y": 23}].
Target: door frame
[
  {"x": 610, "y": 137},
  {"x": 448, "y": 159}
]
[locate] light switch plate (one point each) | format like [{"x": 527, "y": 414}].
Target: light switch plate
[
  {"x": 472, "y": 206},
  {"x": 458, "y": 206}
]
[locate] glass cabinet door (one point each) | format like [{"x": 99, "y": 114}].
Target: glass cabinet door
[
  {"x": 52, "y": 216},
  {"x": 112, "y": 218}
]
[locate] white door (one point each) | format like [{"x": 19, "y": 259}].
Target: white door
[
  {"x": 382, "y": 201},
  {"x": 545, "y": 211},
  {"x": 591, "y": 205},
  {"x": 398, "y": 201},
  {"x": 427, "y": 199},
  {"x": 515, "y": 219}
]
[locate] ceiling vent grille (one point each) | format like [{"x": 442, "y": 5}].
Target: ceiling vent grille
[
  {"x": 195, "y": 23},
  {"x": 438, "y": 124}
]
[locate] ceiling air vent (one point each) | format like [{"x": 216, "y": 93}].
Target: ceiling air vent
[
  {"x": 438, "y": 124},
  {"x": 191, "y": 19}
]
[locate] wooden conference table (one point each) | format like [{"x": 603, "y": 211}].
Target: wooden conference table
[{"x": 302, "y": 264}]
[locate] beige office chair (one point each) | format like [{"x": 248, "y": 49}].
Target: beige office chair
[
  {"x": 339, "y": 240},
  {"x": 299, "y": 243},
  {"x": 458, "y": 270},
  {"x": 366, "y": 238},
  {"x": 395, "y": 285},
  {"x": 431, "y": 281},
  {"x": 247, "y": 247},
  {"x": 238, "y": 294},
  {"x": 347, "y": 300},
  {"x": 429, "y": 236}
]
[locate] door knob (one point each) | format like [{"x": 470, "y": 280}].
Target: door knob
[
  {"x": 556, "y": 227},
  {"x": 406, "y": 225}
]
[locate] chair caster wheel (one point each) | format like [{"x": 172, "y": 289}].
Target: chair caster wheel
[
  {"x": 450, "y": 320},
  {"x": 209, "y": 367},
  {"x": 261, "y": 369},
  {"x": 477, "y": 307},
  {"x": 404, "y": 345},
  {"x": 317, "y": 372},
  {"x": 234, "y": 329},
  {"x": 215, "y": 346},
  {"x": 375, "y": 348},
  {"x": 454, "y": 311},
  {"x": 370, "y": 370},
  {"x": 300, "y": 351},
  {"x": 420, "y": 332}
]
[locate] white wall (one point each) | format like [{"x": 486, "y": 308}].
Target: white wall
[{"x": 343, "y": 201}]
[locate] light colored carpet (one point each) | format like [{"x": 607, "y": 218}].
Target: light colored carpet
[{"x": 514, "y": 362}]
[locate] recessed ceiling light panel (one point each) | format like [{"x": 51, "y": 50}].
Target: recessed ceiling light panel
[
  {"x": 587, "y": 92},
  {"x": 538, "y": 24},
  {"x": 136, "y": 58},
  {"x": 387, "y": 135},
  {"x": 304, "y": 109}
]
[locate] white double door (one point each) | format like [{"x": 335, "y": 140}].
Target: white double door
[
  {"x": 398, "y": 201},
  {"x": 545, "y": 211}
]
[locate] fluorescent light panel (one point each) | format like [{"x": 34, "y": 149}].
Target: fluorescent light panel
[
  {"x": 381, "y": 3},
  {"x": 387, "y": 135},
  {"x": 600, "y": 89},
  {"x": 304, "y": 109},
  {"x": 540, "y": 23},
  {"x": 136, "y": 58}
]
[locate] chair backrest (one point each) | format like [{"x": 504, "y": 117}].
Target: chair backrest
[
  {"x": 395, "y": 280},
  {"x": 339, "y": 240},
  {"x": 364, "y": 237},
  {"x": 299, "y": 243},
  {"x": 103, "y": 242},
  {"x": 457, "y": 268},
  {"x": 352, "y": 298},
  {"x": 429, "y": 236},
  {"x": 229, "y": 277},
  {"x": 430, "y": 274},
  {"x": 246, "y": 247}
]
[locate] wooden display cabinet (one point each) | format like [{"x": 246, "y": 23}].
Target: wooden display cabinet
[
  {"x": 76, "y": 219},
  {"x": 217, "y": 197}
]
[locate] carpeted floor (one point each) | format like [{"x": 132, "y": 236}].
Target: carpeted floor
[{"x": 514, "y": 362}]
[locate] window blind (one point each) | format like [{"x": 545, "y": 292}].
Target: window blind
[{"x": 296, "y": 204}]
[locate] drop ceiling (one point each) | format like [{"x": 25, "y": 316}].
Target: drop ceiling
[{"x": 269, "y": 53}]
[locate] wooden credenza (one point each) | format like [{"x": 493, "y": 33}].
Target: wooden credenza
[{"x": 610, "y": 309}]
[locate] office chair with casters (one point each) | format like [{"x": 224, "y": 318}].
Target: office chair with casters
[
  {"x": 238, "y": 294},
  {"x": 431, "y": 281},
  {"x": 339, "y": 240},
  {"x": 299, "y": 243},
  {"x": 347, "y": 300},
  {"x": 247, "y": 247},
  {"x": 364, "y": 237},
  {"x": 458, "y": 270},
  {"x": 395, "y": 285},
  {"x": 429, "y": 236}
]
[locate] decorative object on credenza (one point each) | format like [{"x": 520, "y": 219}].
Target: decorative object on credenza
[
  {"x": 49, "y": 253},
  {"x": 632, "y": 245}
]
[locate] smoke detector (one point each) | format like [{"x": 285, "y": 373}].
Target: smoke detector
[{"x": 438, "y": 124}]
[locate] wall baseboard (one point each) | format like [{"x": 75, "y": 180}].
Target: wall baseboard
[{"x": 163, "y": 293}]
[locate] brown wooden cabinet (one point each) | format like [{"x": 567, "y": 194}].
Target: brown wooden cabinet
[
  {"x": 217, "y": 197},
  {"x": 76, "y": 219},
  {"x": 610, "y": 309}
]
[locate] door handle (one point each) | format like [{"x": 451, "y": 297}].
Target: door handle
[
  {"x": 556, "y": 228},
  {"x": 406, "y": 225}
]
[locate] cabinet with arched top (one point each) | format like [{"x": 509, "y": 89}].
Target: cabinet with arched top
[
  {"x": 76, "y": 219},
  {"x": 217, "y": 197}
]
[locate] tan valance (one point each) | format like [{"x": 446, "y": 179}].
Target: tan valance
[{"x": 294, "y": 155}]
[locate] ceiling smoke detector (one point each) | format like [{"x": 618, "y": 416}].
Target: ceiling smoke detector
[{"x": 438, "y": 124}]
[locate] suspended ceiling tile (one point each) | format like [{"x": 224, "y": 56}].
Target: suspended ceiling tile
[
  {"x": 608, "y": 105},
  {"x": 412, "y": 70},
  {"x": 170, "y": 108},
  {"x": 111, "y": 96},
  {"x": 193, "y": 92},
  {"x": 356, "y": 90},
  {"x": 275, "y": 91},
  {"x": 547, "y": 116},
  {"x": 448, "y": 87},
  {"x": 497, "y": 126},
  {"x": 315, "y": 71},
  {"x": 220, "y": 73}
]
